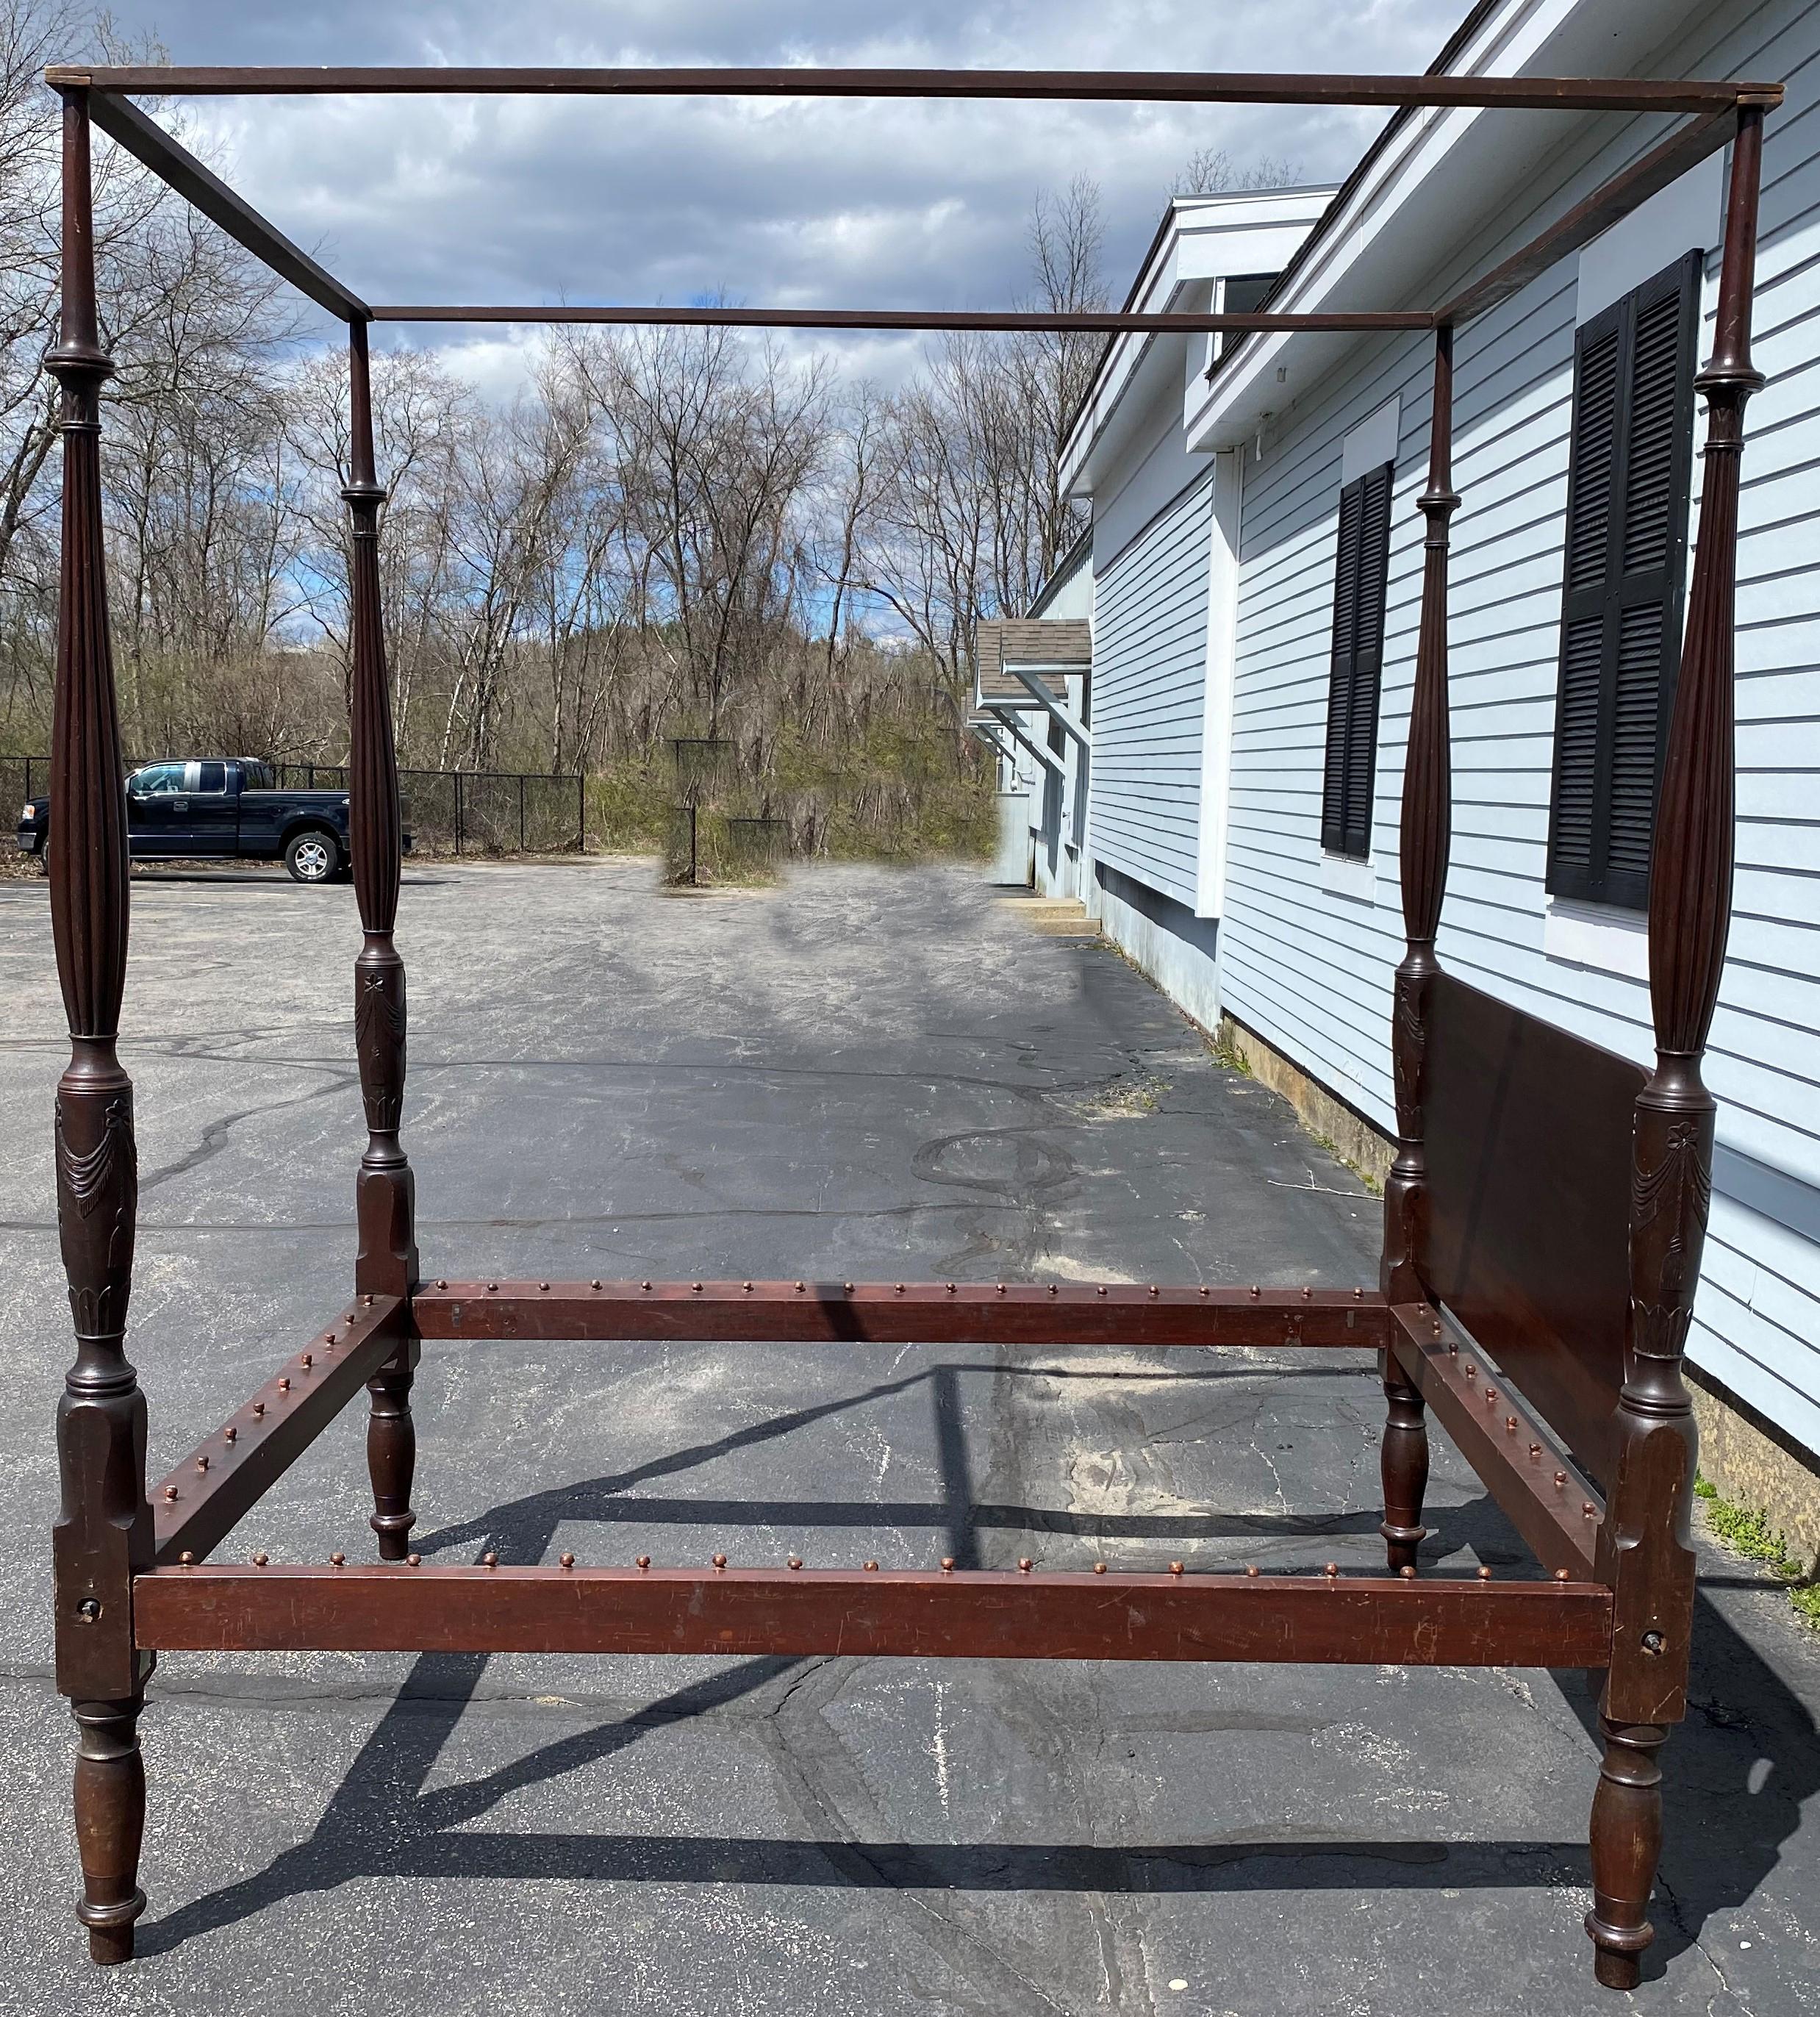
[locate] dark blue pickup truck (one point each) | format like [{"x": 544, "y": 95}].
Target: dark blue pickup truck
[{"x": 220, "y": 809}]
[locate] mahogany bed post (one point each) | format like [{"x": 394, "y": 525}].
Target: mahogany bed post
[
  {"x": 1644, "y": 1547},
  {"x": 1427, "y": 824},
  {"x": 103, "y": 1533},
  {"x": 386, "y": 1192}
]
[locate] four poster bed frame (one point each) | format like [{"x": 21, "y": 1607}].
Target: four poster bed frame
[{"x": 1544, "y": 1219}]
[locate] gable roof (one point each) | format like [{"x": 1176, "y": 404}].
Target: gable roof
[{"x": 1047, "y": 641}]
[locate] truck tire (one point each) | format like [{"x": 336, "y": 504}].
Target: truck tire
[{"x": 312, "y": 855}]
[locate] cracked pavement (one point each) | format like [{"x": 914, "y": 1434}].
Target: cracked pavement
[{"x": 861, "y": 1073}]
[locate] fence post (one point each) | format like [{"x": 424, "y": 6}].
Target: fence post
[
  {"x": 520, "y": 811},
  {"x": 457, "y": 812},
  {"x": 580, "y": 812}
]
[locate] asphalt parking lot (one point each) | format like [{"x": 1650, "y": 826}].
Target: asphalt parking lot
[{"x": 861, "y": 1073}]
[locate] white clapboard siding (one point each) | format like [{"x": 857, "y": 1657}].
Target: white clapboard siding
[
  {"x": 1309, "y": 968},
  {"x": 1150, "y": 673}
]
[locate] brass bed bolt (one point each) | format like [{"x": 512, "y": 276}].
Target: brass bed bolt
[
  {"x": 337, "y": 1560},
  {"x": 1563, "y": 1575},
  {"x": 202, "y": 1463},
  {"x": 565, "y": 1560},
  {"x": 1510, "y": 1425},
  {"x": 1251, "y": 1569},
  {"x": 1025, "y": 1564},
  {"x": 1204, "y": 1289},
  {"x": 1560, "y": 1480},
  {"x": 645, "y": 1285},
  {"x": 490, "y": 1560},
  {"x": 305, "y": 1359},
  {"x": 260, "y": 1559},
  {"x": 594, "y": 1284},
  {"x": 1307, "y": 1292},
  {"x": 543, "y": 1286},
  {"x": 284, "y": 1384},
  {"x": 186, "y": 1560},
  {"x": 643, "y": 1561},
  {"x": 1254, "y": 1291},
  {"x": 1588, "y": 1511},
  {"x": 413, "y": 1561},
  {"x": 442, "y": 1282},
  {"x": 258, "y": 1408},
  {"x": 795, "y": 1562},
  {"x": 229, "y": 1433},
  {"x": 1535, "y": 1451},
  {"x": 1178, "y": 1568},
  {"x": 1153, "y": 1290},
  {"x": 1330, "y": 1568},
  {"x": 1485, "y": 1576},
  {"x": 947, "y": 1564},
  {"x": 1102, "y": 1288},
  {"x": 869, "y": 1566},
  {"x": 1099, "y": 1568},
  {"x": 1407, "y": 1573},
  {"x": 720, "y": 1561},
  {"x": 170, "y": 1495}
]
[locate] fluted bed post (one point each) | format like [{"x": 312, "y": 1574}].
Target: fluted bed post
[
  {"x": 1645, "y": 1548},
  {"x": 386, "y": 1191},
  {"x": 103, "y": 1533},
  {"x": 1427, "y": 823}
]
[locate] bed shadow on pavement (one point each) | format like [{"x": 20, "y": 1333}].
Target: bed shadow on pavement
[{"x": 1726, "y": 1817}]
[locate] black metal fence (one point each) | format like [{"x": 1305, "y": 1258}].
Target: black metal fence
[
  {"x": 708, "y": 847},
  {"x": 473, "y": 812}
]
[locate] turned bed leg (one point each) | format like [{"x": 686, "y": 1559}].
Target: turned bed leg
[
  {"x": 1626, "y": 1845},
  {"x": 1404, "y": 1463},
  {"x": 386, "y": 1193},
  {"x": 1645, "y": 1550},
  {"x": 1426, "y": 827},
  {"x": 103, "y": 1534},
  {"x": 110, "y": 1823}
]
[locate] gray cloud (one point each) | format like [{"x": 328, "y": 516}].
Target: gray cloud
[{"x": 809, "y": 202}]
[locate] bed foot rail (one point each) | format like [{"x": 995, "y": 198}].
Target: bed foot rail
[
  {"x": 110, "y": 1823},
  {"x": 1626, "y": 1845}
]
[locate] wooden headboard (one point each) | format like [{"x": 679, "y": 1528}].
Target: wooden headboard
[{"x": 1528, "y": 1155}]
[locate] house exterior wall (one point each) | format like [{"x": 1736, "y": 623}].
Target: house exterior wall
[
  {"x": 1150, "y": 659},
  {"x": 1310, "y": 946}
]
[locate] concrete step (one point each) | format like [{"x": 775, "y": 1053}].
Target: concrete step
[{"x": 1054, "y": 917}]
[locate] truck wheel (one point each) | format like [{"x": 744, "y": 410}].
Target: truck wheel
[{"x": 312, "y": 856}]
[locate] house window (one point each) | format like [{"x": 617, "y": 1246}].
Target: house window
[
  {"x": 1358, "y": 658},
  {"x": 1628, "y": 481}
]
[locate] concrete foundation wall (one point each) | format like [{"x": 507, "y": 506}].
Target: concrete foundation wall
[
  {"x": 1161, "y": 938},
  {"x": 1753, "y": 1464},
  {"x": 1357, "y": 1140}
]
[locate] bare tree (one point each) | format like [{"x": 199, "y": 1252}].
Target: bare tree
[{"x": 1216, "y": 171}]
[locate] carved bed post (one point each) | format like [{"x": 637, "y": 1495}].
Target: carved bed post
[
  {"x": 1427, "y": 824},
  {"x": 103, "y": 1532},
  {"x": 1644, "y": 1547},
  {"x": 386, "y": 1191}
]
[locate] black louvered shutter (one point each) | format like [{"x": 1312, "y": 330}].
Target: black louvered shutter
[
  {"x": 1629, "y": 476},
  {"x": 1359, "y": 576}
]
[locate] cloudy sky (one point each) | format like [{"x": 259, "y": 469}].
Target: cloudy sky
[{"x": 804, "y": 202}]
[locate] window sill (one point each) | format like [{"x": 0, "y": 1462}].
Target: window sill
[
  {"x": 1599, "y": 935},
  {"x": 1341, "y": 875}
]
